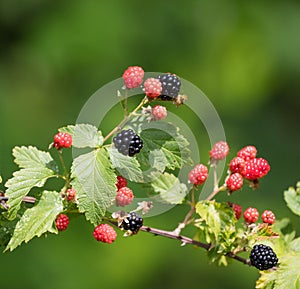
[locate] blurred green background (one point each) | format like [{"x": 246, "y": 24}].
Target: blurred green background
[{"x": 55, "y": 54}]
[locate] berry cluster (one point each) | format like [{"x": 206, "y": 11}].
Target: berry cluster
[
  {"x": 62, "y": 140},
  {"x": 124, "y": 197},
  {"x": 251, "y": 215},
  {"x": 198, "y": 174},
  {"x": 128, "y": 143},
  {"x": 71, "y": 194},
  {"x": 132, "y": 223},
  {"x": 105, "y": 233},
  {"x": 263, "y": 257},
  {"x": 219, "y": 151},
  {"x": 62, "y": 222},
  {"x": 133, "y": 76}
]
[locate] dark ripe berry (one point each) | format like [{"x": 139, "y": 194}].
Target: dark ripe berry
[
  {"x": 62, "y": 222},
  {"x": 263, "y": 257},
  {"x": 121, "y": 182},
  {"x": 251, "y": 215},
  {"x": 124, "y": 197},
  {"x": 62, "y": 140},
  {"x": 255, "y": 168},
  {"x": 219, "y": 151},
  {"x": 152, "y": 87},
  {"x": 268, "y": 217},
  {"x": 198, "y": 174},
  {"x": 133, "y": 76},
  {"x": 132, "y": 223},
  {"x": 234, "y": 182},
  {"x": 105, "y": 233},
  {"x": 128, "y": 143},
  {"x": 237, "y": 165},
  {"x": 170, "y": 86},
  {"x": 247, "y": 153}
]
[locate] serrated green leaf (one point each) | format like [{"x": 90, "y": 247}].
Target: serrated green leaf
[
  {"x": 34, "y": 173},
  {"x": 286, "y": 276},
  {"x": 94, "y": 181},
  {"x": 84, "y": 135},
  {"x": 170, "y": 142},
  {"x": 169, "y": 188},
  {"x": 37, "y": 220},
  {"x": 30, "y": 157},
  {"x": 127, "y": 166},
  {"x": 217, "y": 226},
  {"x": 292, "y": 198}
]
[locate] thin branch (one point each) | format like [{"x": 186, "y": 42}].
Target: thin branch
[
  {"x": 125, "y": 119},
  {"x": 215, "y": 192}
]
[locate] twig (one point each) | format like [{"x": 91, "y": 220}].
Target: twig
[
  {"x": 215, "y": 192},
  {"x": 125, "y": 119}
]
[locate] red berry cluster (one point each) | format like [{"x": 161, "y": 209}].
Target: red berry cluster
[
  {"x": 62, "y": 140},
  {"x": 198, "y": 174},
  {"x": 105, "y": 233},
  {"x": 251, "y": 215},
  {"x": 62, "y": 222},
  {"x": 124, "y": 195},
  {"x": 71, "y": 194},
  {"x": 133, "y": 76},
  {"x": 219, "y": 151}
]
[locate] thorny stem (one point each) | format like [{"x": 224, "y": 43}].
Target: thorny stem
[{"x": 126, "y": 118}]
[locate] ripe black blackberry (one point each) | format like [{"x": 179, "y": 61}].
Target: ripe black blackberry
[
  {"x": 132, "y": 223},
  {"x": 170, "y": 86},
  {"x": 128, "y": 143},
  {"x": 263, "y": 257}
]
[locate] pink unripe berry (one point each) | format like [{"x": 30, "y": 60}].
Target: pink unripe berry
[
  {"x": 105, "y": 233},
  {"x": 219, "y": 151},
  {"x": 133, "y": 76},
  {"x": 268, "y": 217},
  {"x": 159, "y": 112}
]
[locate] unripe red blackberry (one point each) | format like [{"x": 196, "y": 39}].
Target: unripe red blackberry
[
  {"x": 234, "y": 182},
  {"x": 124, "y": 197},
  {"x": 219, "y": 151},
  {"x": 237, "y": 165},
  {"x": 121, "y": 182},
  {"x": 268, "y": 217},
  {"x": 237, "y": 211},
  {"x": 133, "y": 76},
  {"x": 247, "y": 153},
  {"x": 132, "y": 223},
  {"x": 62, "y": 222},
  {"x": 152, "y": 87},
  {"x": 263, "y": 257},
  {"x": 170, "y": 86},
  {"x": 71, "y": 194},
  {"x": 251, "y": 215},
  {"x": 255, "y": 168},
  {"x": 62, "y": 140},
  {"x": 105, "y": 233},
  {"x": 159, "y": 112},
  {"x": 128, "y": 143},
  {"x": 198, "y": 174}
]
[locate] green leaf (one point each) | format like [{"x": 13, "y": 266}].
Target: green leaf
[
  {"x": 94, "y": 181},
  {"x": 170, "y": 142},
  {"x": 286, "y": 276},
  {"x": 127, "y": 166},
  {"x": 292, "y": 198},
  {"x": 217, "y": 225},
  {"x": 84, "y": 135},
  {"x": 37, "y": 220},
  {"x": 30, "y": 157},
  {"x": 36, "y": 169},
  {"x": 169, "y": 188}
]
